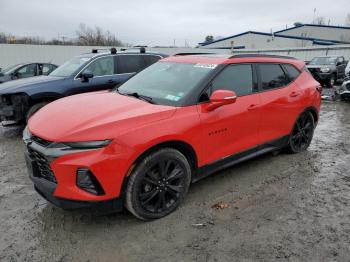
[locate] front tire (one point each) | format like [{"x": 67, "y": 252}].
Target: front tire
[
  {"x": 34, "y": 109},
  {"x": 158, "y": 184},
  {"x": 302, "y": 133}
]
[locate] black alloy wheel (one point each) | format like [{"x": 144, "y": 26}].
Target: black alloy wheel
[
  {"x": 158, "y": 185},
  {"x": 302, "y": 133}
]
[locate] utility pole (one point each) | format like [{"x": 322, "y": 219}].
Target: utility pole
[{"x": 313, "y": 21}]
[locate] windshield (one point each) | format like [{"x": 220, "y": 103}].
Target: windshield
[
  {"x": 323, "y": 61},
  {"x": 71, "y": 66},
  {"x": 10, "y": 69},
  {"x": 166, "y": 83}
]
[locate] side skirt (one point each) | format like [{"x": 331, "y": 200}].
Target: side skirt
[{"x": 234, "y": 159}]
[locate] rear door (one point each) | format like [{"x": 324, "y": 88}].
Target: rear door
[
  {"x": 279, "y": 102},
  {"x": 231, "y": 128},
  {"x": 128, "y": 65}
]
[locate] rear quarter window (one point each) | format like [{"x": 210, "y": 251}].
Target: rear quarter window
[
  {"x": 272, "y": 76},
  {"x": 292, "y": 72},
  {"x": 130, "y": 64},
  {"x": 150, "y": 59}
]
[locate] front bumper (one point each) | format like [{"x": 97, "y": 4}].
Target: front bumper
[
  {"x": 47, "y": 189},
  {"x": 54, "y": 174},
  {"x": 318, "y": 75},
  {"x": 13, "y": 112}
]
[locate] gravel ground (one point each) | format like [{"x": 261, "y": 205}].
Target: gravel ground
[{"x": 283, "y": 207}]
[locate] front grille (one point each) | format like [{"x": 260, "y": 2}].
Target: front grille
[
  {"x": 314, "y": 70},
  {"x": 41, "y": 141},
  {"x": 41, "y": 166}
]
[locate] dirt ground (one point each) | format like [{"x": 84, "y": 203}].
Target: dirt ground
[{"x": 284, "y": 207}]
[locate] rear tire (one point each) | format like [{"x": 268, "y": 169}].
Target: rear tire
[
  {"x": 158, "y": 184},
  {"x": 302, "y": 133},
  {"x": 34, "y": 109}
]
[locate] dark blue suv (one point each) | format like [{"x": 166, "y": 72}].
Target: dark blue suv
[{"x": 95, "y": 71}]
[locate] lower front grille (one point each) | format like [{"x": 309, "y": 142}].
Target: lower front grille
[{"x": 41, "y": 166}]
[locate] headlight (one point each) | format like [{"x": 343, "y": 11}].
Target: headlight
[
  {"x": 26, "y": 134},
  {"x": 18, "y": 99},
  {"x": 88, "y": 144},
  {"x": 325, "y": 69}
]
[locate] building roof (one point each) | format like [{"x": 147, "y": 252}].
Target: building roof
[
  {"x": 313, "y": 25},
  {"x": 276, "y": 34}
]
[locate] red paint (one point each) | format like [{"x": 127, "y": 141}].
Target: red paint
[{"x": 136, "y": 126}]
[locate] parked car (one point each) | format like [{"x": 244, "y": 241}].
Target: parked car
[
  {"x": 26, "y": 70},
  {"x": 174, "y": 123},
  {"x": 344, "y": 91},
  {"x": 327, "y": 69},
  {"x": 20, "y": 99}
]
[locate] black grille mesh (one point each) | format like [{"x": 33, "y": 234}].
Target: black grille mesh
[{"x": 42, "y": 165}]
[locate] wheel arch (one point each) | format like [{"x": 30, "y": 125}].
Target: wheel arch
[
  {"x": 183, "y": 147},
  {"x": 313, "y": 111}
]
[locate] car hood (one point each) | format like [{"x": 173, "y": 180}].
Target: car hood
[
  {"x": 94, "y": 116},
  {"x": 23, "y": 85}
]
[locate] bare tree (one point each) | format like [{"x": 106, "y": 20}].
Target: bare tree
[
  {"x": 320, "y": 20},
  {"x": 347, "y": 20},
  {"x": 96, "y": 37}
]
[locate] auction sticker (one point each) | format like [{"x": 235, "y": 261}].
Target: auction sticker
[{"x": 209, "y": 66}]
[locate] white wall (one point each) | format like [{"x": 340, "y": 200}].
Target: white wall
[{"x": 11, "y": 54}]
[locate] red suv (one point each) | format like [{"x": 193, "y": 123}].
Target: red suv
[{"x": 179, "y": 120}]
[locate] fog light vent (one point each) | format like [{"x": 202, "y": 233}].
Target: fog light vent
[{"x": 88, "y": 182}]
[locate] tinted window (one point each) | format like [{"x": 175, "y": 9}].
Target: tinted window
[
  {"x": 129, "y": 64},
  {"x": 238, "y": 78},
  {"x": 26, "y": 71},
  {"x": 46, "y": 69},
  {"x": 150, "y": 59},
  {"x": 272, "y": 76},
  {"x": 102, "y": 66},
  {"x": 292, "y": 72}
]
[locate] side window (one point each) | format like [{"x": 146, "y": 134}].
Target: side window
[
  {"x": 341, "y": 60},
  {"x": 45, "y": 69},
  {"x": 151, "y": 59},
  {"x": 26, "y": 71},
  {"x": 238, "y": 78},
  {"x": 129, "y": 64},
  {"x": 272, "y": 76},
  {"x": 102, "y": 66},
  {"x": 292, "y": 72}
]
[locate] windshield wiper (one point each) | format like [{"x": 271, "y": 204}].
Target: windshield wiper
[{"x": 138, "y": 96}]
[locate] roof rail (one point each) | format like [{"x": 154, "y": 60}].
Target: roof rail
[
  {"x": 141, "y": 48},
  {"x": 183, "y": 54},
  {"x": 113, "y": 50},
  {"x": 263, "y": 55}
]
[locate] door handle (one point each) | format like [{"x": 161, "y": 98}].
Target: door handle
[
  {"x": 253, "y": 106},
  {"x": 110, "y": 81},
  {"x": 294, "y": 94}
]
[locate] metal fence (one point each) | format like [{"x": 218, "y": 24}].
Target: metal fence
[{"x": 11, "y": 54}]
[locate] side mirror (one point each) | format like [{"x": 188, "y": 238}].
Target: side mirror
[
  {"x": 220, "y": 98},
  {"x": 338, "y": 63},
  {"x": 85, "y": 76}
]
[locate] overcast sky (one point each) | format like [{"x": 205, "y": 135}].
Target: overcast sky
[{"x": 159, "y": 22}]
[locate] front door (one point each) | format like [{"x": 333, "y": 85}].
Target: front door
[{"x": 232, "y": 128}]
